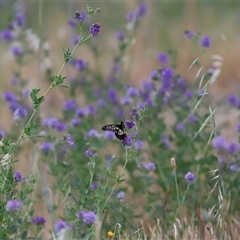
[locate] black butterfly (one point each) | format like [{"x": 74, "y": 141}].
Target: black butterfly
[{"x": 118, "y": 129}]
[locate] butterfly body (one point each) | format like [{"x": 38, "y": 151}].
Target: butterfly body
[{"x": 118, "y": 129}]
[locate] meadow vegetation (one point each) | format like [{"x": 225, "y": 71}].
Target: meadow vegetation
[{"x": 174, "y": 175}]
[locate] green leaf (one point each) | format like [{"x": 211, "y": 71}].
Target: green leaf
[
  {"x": 57, "y": 80},
  {"x": 67, "y": 55},
  {"x": 36, "y": 101},
  {"x": 31, "y": 129}
]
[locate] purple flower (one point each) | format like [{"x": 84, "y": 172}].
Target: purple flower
[
  {"x": 72, "y": 22},
  {"x": 47, "y": 147},
  {"x": 19, "y": 113},
  {"x": 69, "y": 105},
  {"x": 75, "y": 122},
  {"x": 142, "y": 9},
  {"x": 7, "y": 35},
  {"x": 134, "y": 112},
  {"x": 167, "y": 80},
  {"x": 75, "y": 39},
  {"x": 238, "y": 128},
  {"x": 91, "y": 110},
  {"x": 95, "y": 29},
  {"x": 80, "y": 112},
  {"x": 234, "y": 168},
  {"x": 163, "y": 58},
  {"x": 20, "y": 20},
  {"x": 78, "y": 16},
  {"x": 25, "y": 92},
  {"x": 101, "y": 103},
  {"x": 60, "y": 127},
  {"x": 13, "y": 106},
  {"x": 94, "y": 185},
  {"x": 17, "y": 51},
  {"x": 88, "y": 217},
  {"x": 149, "y": 166},
  {"x": 89, "y": 152},
  {"x": 17, "y": 177},
  {"x": 121, "y": 195},
  {"x": 131, "y": 16},
  {"x": 93, "y": 133},
  {"x": 189, "y": 34},
  {"x": 220, "y": 144},
  {"x": 10, "y": 97},
  {"x": 181, "y": 127},
  {"x": 154, "y": 75},
  {"x": 166, "y": 142},
  {"x": 132, "y": 92},
  {"x": 192, "y": 118},
  {"x": 59, "y": 225},
  {"x": 13, "y": 205},
  {"x": 50, "y": 122},
  {"x": 127, "y": 141},
  {"x": 119, "y": 36},
  {"x": 70, "y": 141},
  {"x": 190, "y": 177},
  {"x": 109, "y": 135},
  {"x": 232, "y": 148},
  {"x": 38, "y": 220},
  {"x": 1, "y": 134},
  {"x": 147, "y": 86},
  {"x": 126, "y": 100},
  {"x": 232, "y": 100},
  {"x": 112, "y": 95},
  {"x": 188, "y": 94},
  {"x": 130, "y": 124},
  {"x": 138, "y": 144},
  {"x": 205, "y": 42},
  {"x": 181, "y": 84},
  {"x": 80, "y": 64}
]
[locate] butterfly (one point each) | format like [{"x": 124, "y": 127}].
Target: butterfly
[{"x": 118, "y": 129}]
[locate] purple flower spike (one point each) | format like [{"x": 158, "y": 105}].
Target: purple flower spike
[
  {"x": 127, "y": 141},
  {"x": 89, "y": 153},
  {"x": 7, "y": 35},
  {"x": 232, "y": 100},
  {"x": 149, "y": 166},
  {"x": 154, "y": 75},
  {"x": 163, "y": 58},
  {"x": 17, "y": 177},
  {"x": 72, "y": 22},
  {"x": 69, "y": 105},
  {"x": 142, "y": 9},
  {"x": 130, "y": 124},
  {"x": 38, "y": 220},
  {"x": 189, "y": 34},
  {"x": 119, "y": 36},
  {"x": 1, "y": 134},
  {"x": 20, "y": 20},
  {"x": 190, "y": 177},
  {"x": 233, "y": 148},
  {"x": 88, "y": 217},
  {"x": 13, "y": 205},
  {"x": 17, "y": 51},
  {"x": 80, "y": 64},
  {"x": 220, "y": 144},
  {"x": 59, "y": 225},
  {"x": 180, "y": 127},
  {"x": 19, "y": 113},
  {"x": 47, "y": 147},
  {"x": 121, "y": 195},
  {"x": 205, "y": 42},
  {"x": 95, "y": 29}
]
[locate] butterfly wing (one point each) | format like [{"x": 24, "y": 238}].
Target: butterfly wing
[{"x": 118, "y": 129}]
